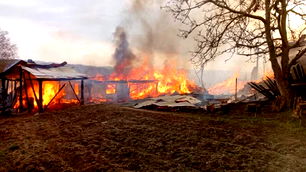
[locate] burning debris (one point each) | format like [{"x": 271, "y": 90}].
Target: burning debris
[{"x": 270, "y": 90}]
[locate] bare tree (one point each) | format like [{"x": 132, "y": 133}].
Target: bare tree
[
  {"x": 7, "y": 49},
  {"x": 252, "y": 28}
]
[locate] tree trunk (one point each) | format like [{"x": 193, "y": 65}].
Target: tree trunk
[{"x": 286, "y": 92}]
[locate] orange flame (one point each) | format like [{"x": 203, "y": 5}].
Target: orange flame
[
  {"x": 228, "y": 86},
  {"x": 76, "y": 88},
  {"x": 99, "y": 77},
  {"x": 167, "y": 80},
  {"x": 269, "y": 74},
  {"x": 111, "y": 89},
  {"x": 50, "y": 89}
]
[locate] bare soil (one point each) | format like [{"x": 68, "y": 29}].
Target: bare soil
[{"x": 113, "y": 138}]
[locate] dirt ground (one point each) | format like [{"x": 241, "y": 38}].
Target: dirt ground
[{"x": 112, "y": 138}]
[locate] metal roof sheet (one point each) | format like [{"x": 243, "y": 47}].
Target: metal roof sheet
[
  {"x": 6, "y": 64},
  {"x": 170, "y": 101},
  {"x": 56, "y": 73}
]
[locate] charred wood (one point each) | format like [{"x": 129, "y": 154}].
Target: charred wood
[
  {"x": 299, "y": 74},
  {"x": 270, "y": 90}
]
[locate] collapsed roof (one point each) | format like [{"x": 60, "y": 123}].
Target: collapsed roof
[{"x": 170, "y": 101}]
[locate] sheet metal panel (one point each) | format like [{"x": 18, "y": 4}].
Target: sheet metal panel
[
  {"x": 6, "y": 64},
  {"x": 55, "y": 73}
]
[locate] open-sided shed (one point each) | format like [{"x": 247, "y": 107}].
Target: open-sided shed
[{"x": 21, "y": 78}]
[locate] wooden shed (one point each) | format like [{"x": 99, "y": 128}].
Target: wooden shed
[{"x": 24, "y": 84}]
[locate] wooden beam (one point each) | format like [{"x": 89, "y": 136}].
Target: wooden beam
[
  {"x": 20, "y": 90},
  {"x": 61, "y": 79},
  {"x": 156, "y": 88},
  {"x": 82, "y": 92},
  {"x": 26, "y": 93},
  {"x": 4, "y": 92},
  {"x": 33, "y": 89},
  {"x": 14, "y": 99},
  {"x": 40, "y": 93},
  {"x": 15, "y": 85},
  {"x": 74, "y": 92},
  {"x": 7, "y": 86},
  {"x": 55, "y": 96}
]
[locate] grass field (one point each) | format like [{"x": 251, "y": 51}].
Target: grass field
[{"x": 109, "y": 137}]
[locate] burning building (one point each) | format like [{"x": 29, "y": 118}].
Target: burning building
[
  {"x": 31, "y": 86},
  {"x": 135, "y": 76},
  {"x": 37, "y": 87}
]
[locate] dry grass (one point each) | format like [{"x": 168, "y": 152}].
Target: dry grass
[{"x": 108, "y": 137}]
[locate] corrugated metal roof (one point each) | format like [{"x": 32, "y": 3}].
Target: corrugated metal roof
[
  {"x": 56, "y": 73},
  {"x": 170, "y": 101},
  {"x": 6, "y": 64}
]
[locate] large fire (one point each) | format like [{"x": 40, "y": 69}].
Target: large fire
[
  {"x": 136, "y": 75},
  {"x": 53, "y": 93},
  {"x": 167, "y": 80}
]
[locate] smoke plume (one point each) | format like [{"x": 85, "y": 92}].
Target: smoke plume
[
  {"x": 152, "y": 34},
  {"x": 123, "y": 56},
  {"x": 155, "y": 30}
]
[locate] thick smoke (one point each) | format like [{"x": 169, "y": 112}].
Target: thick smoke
[
  {"x": 151, "y": 32},
  {"x": 123, "y": 56},
  {"x": 155, "y": 30}
]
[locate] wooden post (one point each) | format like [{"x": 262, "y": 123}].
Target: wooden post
[
  {"x": 30, "y": 108},
  {"x": 12, "y": 86},
  {"x": 3, "y": 93},
  {"x": 7, "y": 85},
  {"x": 20, "y": 91},
  {"x": 33, "y": 90},
  {"x": 82, "y": 92},
  {"x": 156, "y": 89},
  {"x": 236, "y": 89},
  {"x": 15, "y": 89},
  {"x": 3, "y": 83},
  {"x": 15, "y": 85},
  {"x": 89, "y": 87},
  {"x": 40, "y": 107}
]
